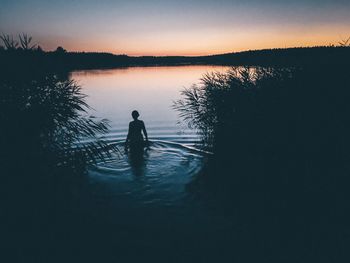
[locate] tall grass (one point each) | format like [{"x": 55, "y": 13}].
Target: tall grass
[
  {"x": 273, "y": 129},
  {"x": 47, "y": 137},
  {"x": 49, "y": 116},
  {"x": 225, "y": 103}
]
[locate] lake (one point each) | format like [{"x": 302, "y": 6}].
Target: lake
[
  {"x": 174, "y": 156},
  {"x": 113, "y": 94},
  {"x": 152, "y": 195}
]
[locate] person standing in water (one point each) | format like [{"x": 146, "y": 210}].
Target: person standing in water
[{"x": 135, "y": 140}]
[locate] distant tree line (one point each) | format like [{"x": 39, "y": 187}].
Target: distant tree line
[{"x": 25, "y": 53}]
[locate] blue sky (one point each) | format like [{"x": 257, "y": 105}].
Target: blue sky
[{"x": 176, "y": 27}]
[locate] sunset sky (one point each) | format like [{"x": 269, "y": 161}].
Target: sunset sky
[{"x": 176, "y": 27}]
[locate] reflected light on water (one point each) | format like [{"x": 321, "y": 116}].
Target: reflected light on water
[
  {"x": 173, "y": 157},
  {"x": 113, "y": 94}
]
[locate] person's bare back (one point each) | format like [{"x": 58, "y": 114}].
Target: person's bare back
[{"x": 136, "y": 128}]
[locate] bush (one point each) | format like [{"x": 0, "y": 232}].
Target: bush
[
  {"x": 48, "y": 117},
  {"x": 273, "y": 129}
]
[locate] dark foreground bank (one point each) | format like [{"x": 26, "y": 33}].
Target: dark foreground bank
[{"x": 275, "y": 189}]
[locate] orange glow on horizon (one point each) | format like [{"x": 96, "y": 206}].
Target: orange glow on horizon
[{"x": 209, "y": 43}]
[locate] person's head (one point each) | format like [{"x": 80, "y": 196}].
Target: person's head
[{"x": 135, "y": 114}]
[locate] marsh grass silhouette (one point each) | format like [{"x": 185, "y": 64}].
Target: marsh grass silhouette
[
  {"x": 280, "y": 139},
  {"x": 47, "y": 143},
  {"x": 50, "y": 113},
  {"x": 273, "y": 128},
  {"x": 344, "y": 42},
  {"x": 47, "y": 140}
]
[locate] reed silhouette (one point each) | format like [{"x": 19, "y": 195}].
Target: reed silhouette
[
  {"x": 47, "y": 142},
  {"x": 280, "y": 140},
  {"x": 272, "y": 117},
  {"x": 344, "y": 42}
]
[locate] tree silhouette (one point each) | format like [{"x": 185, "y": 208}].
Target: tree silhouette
[
  {"x": 39, "y": 49},
  {"x": 60, "y": 50}
]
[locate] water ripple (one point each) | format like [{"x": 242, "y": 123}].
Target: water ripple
[{"x": 158, "y": 177}]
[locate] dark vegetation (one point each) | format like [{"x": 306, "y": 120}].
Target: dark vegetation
[
  {"x": 275, "y": 118},
  {"x": 47, "y": 141},
  {"x": 280, "y": 138},
  {"x": 279, "y": 134}
]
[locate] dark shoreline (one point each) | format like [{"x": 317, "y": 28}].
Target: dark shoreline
[{"x": 69, "y": 61}]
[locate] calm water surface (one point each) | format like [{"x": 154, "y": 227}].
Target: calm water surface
[
  {"x": 160, "y": 179},
  {"x": 149, "y": 200},
  {"x": 151, "y": 90}
]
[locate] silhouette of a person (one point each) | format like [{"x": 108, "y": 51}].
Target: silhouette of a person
[{"x": 135, "y": 140}]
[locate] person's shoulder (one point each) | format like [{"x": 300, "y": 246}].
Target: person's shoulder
[{"x": 140, "y": 123}]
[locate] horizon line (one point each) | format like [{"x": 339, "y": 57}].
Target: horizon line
[{"x": 204, "y": 55}]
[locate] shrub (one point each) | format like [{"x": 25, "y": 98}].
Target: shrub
[{"x": 47, "y": 118}]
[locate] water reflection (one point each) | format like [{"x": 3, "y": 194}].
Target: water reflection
[
  {"x": 158, "y": 176},
  {"x": 173, "y": 158},
  {"x": 114, "y": 94},
  {"x": 137, "y": 159}
]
